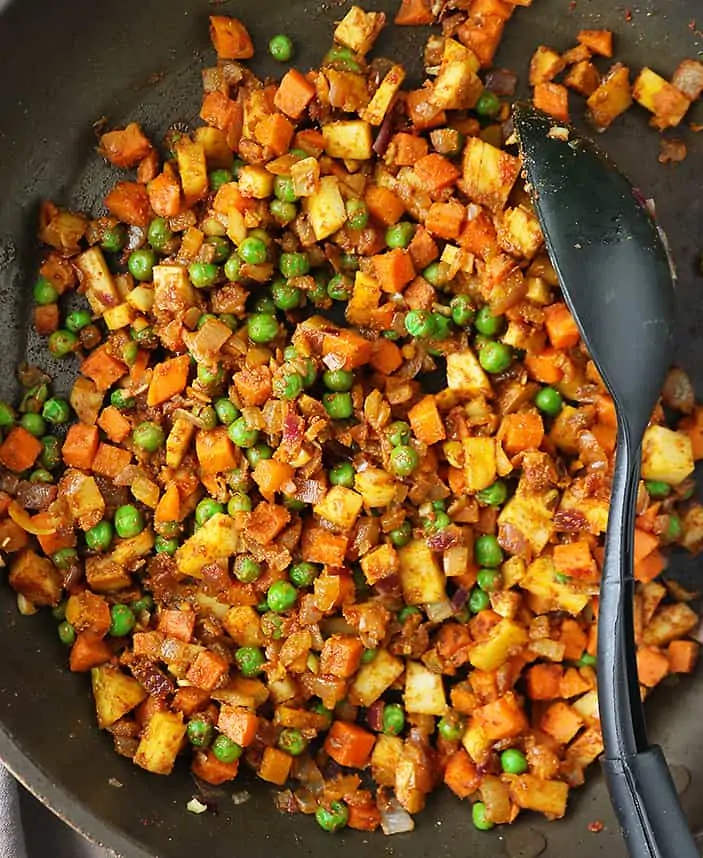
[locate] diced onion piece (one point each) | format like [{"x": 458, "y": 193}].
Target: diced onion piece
[
  {"x": 395, "y": 819},
  {"x": 24, "y": 520}
]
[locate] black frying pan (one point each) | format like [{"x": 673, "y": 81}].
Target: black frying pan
[{"x": 63, "y": 65}]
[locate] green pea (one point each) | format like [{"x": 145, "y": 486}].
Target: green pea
[
  {"x": 310, "y": 376},
  {"x": 487, "y": 551},
  {"x": 339, "y": 287},
  {"x": 148, "y": 436},
  {"x": 64, "y": 558},
  {"x": 393, "y": 719},
  {"x": 405, "y": 613},
  {"x": 561, "y": 578},
  {"x": 58, "y": 612},
  {"x": 291, "y": 741},
  {"x": 230, "y": 320},
  {"x": 40, "y": 476},
  {"x": 7, "y": 415},
  {"x": 338, "y": 380},
  {"x": 66, "y": 632},
  {"x": 293, "y": 504},
  {"x": 478, "y": 601},
  {"x": 434, "y": 274},
  {"x": 44, "y": 292},
  {"x": 258, "y": 452},
  {"x": 218, "y": 178},
  {"x": 122, "y": 621},
  {"x": 333, "y": 819},
  {"x": 206, "y": 508},
  {"x": 51, "y": 452},
  {"x": 343, "y": 475},
  {"x": 159, "y": 233},
  {"x": 549, "y": 401},
  {"x": 227, "y": 412},
  {"x": 264, "y": 304},
  {"x": 221, "y": 248},
  {"x": 62, "y": 343},
  {"x": 318, "y": 293},
  {"x": 225, "y": 750},
  {"x": 281, "y": 48},
  {"x": 513, "y": 762},
  {"x": 289, "y": 386},
  {"x": 253, "y": 251},
  {"x": 246, "y": 569},
  {"x": 199, "y": 733},
  {"x": 368, "y": 655},
  {"x": 241, "y": 434},
  {"x": 488, "y": 104},
  {"x": 451, "y": 728},
  {"x": 673, "y": 528},
  {"x": 56, "y": 410},
  {"x": 400, "y": 234},
  {"x": 284, "y": 190},
  {"x": 281, "y": 596},
  {"x": 357, "y": 213},
  {"x": 129, "y": 521},
  {"x": 162, "y": 545},
  {"x": 99, "y": 537},
  {"x": 144, "y": 337},
  {"x": 404, "y": 460},
  {"x": 237, "y": 165},
  {"x": 141, "y": 264},
  {"x": 285, "y": 296},
  {"x": 206, "y": 414},
  {"x": 488, "y": 324},
  {"x": 587, "y": 660},
  {"x": 294, "y": 264},
  {"x": 262, "y": 327},
  {"x": 399, "y": 433},
  {"x": 283, "y": 212},
  {"x": 495, "y": 357},
  {"x": 232, "y": 268},
  {"x": 203, "y": 274},
  {"x": 33, "y": 423},
  {"x": 489, "y": 580},
  {"x": 303, "y": 574},
  {"x": 479, "y": 818},
  {"x": 349, "y": 262},
  {"x": 463, "y": 312},
  {"x": 168, "y": 528},
  {"x": 130, "y": 350},
  {"x": 657, "y": 489},
  {"x": 114, "y": 238},
  {"x": 494, "y": 495},
  {"x": 420, "y": 324},
  {"x": 442, "y": 326},
  {"x": 342, "y": 58},
  {"x": 239, "y": 502},
  {"x": 339, "y": 406},
  {"x": 250, "y": 660},
  {"x": 77, "y": 320},
  {"x": 400, "y": 536},
  {"x": 210, "y": 376}
]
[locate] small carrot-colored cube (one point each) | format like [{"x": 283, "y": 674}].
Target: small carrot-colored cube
[
  {"x": 408, "y": 148},
  {"x": 88, "y": 651},
  {"x": 561, "y": 327},
  {"x": 110, "y": 461},
  {"x": 266, "y": 522},
  {"x": 174, "y": 623},
  {"x": 320, "y": 545},
  {"x": 114, "y": 424},
  {"x": 103, "y": 368},
  {"x": 461, "y": 775},
  {"x": 426, "y": 421},
  {"x": 383, "y": 205},
  {"x": 520, "y": 432},
  {"x": 238, "y": 723},
  {"x": 502, "y": 719},
  {"x": 207, "y": 670},
  {"x": 215, "y": 451},
  {"x": 652, "y": 665},
  {"x": 341, "y": 655},
  {"x": 208, "y": 768},
  {"x": 275, "y": 766},
  {"x": 20, "y": 450},
  {"x": 169, "y": 379},
  {"x": 349, "y": 745},
  {"x": 683, "y": 656},
  {"x": 561, "y": 722},
  {"x": 81, "y": 446}
]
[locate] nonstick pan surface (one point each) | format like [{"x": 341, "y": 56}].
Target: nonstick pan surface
[{"x": 64, "y": 64}]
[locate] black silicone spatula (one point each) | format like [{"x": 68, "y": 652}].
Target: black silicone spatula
[{"x": 617, "y": 280}]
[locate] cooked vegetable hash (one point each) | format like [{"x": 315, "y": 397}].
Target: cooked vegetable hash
[{"x": 327, "y": 500}]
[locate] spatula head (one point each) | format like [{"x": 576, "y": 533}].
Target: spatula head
[{"x": 611, "y": 261}]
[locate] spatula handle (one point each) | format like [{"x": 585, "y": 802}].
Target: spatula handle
[{"x": 640, "y": 785}]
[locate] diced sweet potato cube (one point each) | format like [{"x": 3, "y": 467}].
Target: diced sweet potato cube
[
  {"x": 652, "y": 665},
  {"x": 190, "y": 700},
  {"x": 174, "y": 623},
  {"x": 561, "y": 722},
  {"x": 502, "y": 719},
  {"x": 275, "y": 766},
  {"x": 208, "y": 670},
  {"x": 341, "y": 655},
  {"x": 36, "y": 578},
  {"x": 87, "y": 652},
  {"x": 683, "y": 656},
  {"x": 544, "y": 681},
  {"x": 208, "y": 768},
  {"x": 266, "y": 522},
  {"x": 461, "y": 775},
  {"x": 349, "y": 745},
  {"x": 320, "y": 545},
  {"x": 20, "y": 450},
  {"x": 238, "y": 723}
]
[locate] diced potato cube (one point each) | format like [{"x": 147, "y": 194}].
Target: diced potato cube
[
  {"x": 99, "y": 284},
  {"x": 161, "y": 742},
  {"x": 141, "y": 298},
  {"x": 489, "y": 173},
  {"x": 348, "y": 139},
  {"x": 178, "y": 441},
  {"x": 255, "y": 181},
  {"x": 374, "y": 678},
  {"x": 376, "y": 486},
  {"x": 173, "y": 290},
  {"x": 506, "y": 637},
  {"x": 216, "y": 540},
  {"x": 532, "y": 793},
  {"x": 540, "y": 579},
  {"x": 192, "y": 168},
  {"x": 105, "y": 576},
  {"x": 670, "y": 622},
  {"x": 358, "y": 30},
  {"x": 340, "y": 506},
  {"x": 86, "y": 400},
  {"x": 306, "y": 176},
  {"x": 532, "y": 514},
  {"x": 479, "y": 463},
  {"x": 118, "y": 317},
  {"x": 364, "y": 300},
  {"x": 545, "y": 65},
  {"x": 612, "y": 98},
  {"x": 380, "y": 562},
  {"x": 476, "y": 743},
  {"x": 465, "y": 374},
  {"x": 421, "y": 577},
  {"x": 668, "y": 104},
  {"x": 424, "y": 691},
  {"x": 385, "y": 758},
  {"x": 594, "y": 510},
  {"x": 587, "y": 707},
  {"x": 130, "y": 550},
  {"x": 326, "y": 209},
  {"x": 382, "y": 99},
  {"x": 115, "y": 694},
  {"x": 145, "y": 491},
  {"x": 519, "y": 232},
  {"x": 692, "y": 522},
  {"x": 457, "y": 86},
  {"x": 666, "y": 455}
]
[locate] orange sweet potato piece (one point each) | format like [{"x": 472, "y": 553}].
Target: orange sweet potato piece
[
  {"x": 169, "y": 505},
  {"x": 348, "y": 346},
  {"x": 174, "y": 623},
  {"x": 169, "y": 379},
  {"x": 189, "y": 699},
  {"x": 239, "y": 724},
  {"x": 208, "y": 768},
  {"x": 543, "y": 681},
  {"x": 20, "y": 450},
  {"x": 573, "y": 684},
  {"x": 114, "y": 424},
  {"x": 275, "y": 132},
  {"x": 341, "y": 655},
  {"x": 275, "y": 766},
  {"x": 386, "y": 356},
  {"x": 129, "y": 202},
  {"x": 50, "y": 543},
  {"x": 266, "y": 522},
  {"x": 561, "y": 722},
  {"x": 645, "y": 543},
  {"x": 552, "y": 98},
  {"x": 88, "y": 651},
  {"x": 461, "y": 775},
  {"x": 545, "y": 366},
  {"x": 102, "y": 368},
  {"x": 383, "y": 205},
  {"x": 408, "y": 149},
  {"x": 502, "y": 719},
  {"x": 426, "y": 421},
  {"x": 320, "y": 545},
  {"x": 414, "y": 13},
  {"x": 148, "y": 168},
  {"x": 215, "y": 451},
  {"x": 349, "y": 745},
  {"x": 561, "y": 327},
  {"x": 364, "y": 817},
  {"x": 164, "y": 193},
  {"x": 482, "y": 36},
  {"x": 598, "y": 41},
  {"x": 649, "y": 567},
  {"x": 576, "y": 561},
  {"x": 394, "y": 269},
  {"x": 271, "y": 475},
  {"x": 230, "y": 38},
  {"x": 110, "y": 461},
  {"x": 81, "y": 446},
  {"x": 683, "y": 656},
  {"x": 436, "y": 172},
  {"x": 652, "y": 665},
  {"x": 446, "y": 219},
  {"x": 125, "y": 147},
  {"x": 520, "y": 432},
  {"x": 254, "y": 384},
  {"x": 294, "y": 94},
  {"x": 423, "y": 248},
  {"x": 208, "y": 670},
  {"x": 479, "y": 236},
  {"x": 574, "y": 639},
  {"x": 219, "y": 110}
]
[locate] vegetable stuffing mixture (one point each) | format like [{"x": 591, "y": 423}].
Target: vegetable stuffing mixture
[{"x": 327, "y": 500}]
